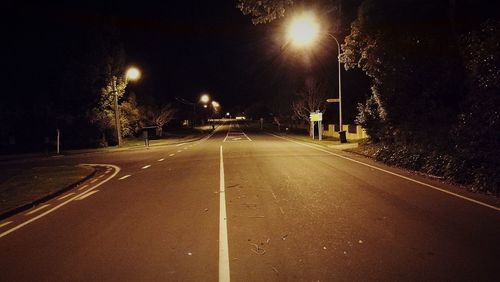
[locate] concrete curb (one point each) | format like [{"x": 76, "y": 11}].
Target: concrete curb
[{"x": 24, "y": 207}]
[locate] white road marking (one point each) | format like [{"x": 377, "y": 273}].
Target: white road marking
[
  {"x": 171, "y": 155},
  {"x": 100, "y": 176},
  {"x": 223, "y": 242},
  {"x": 5, "y": 223},
  {"x": 179, "y": 151},
  {"x": 65, "y": 196},
  {"x": 281, "y": 210},
  {"x": 124, "y": 177},
  {"x": 178, "y": 145},
  {"x": 37, "y": 210},
  {"x": 93, "y": 180},
  {"x": 161, "y": 160},
  {"x": 146, "y": 166},
  {"x": 394, "y": 174},
  {"x": 83, "y": 187},
  {"x": 85, "y": 195},
  {"x": 117, "y": 170}
]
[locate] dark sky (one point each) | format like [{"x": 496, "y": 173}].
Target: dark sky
[{"x": 183, "y": 47}]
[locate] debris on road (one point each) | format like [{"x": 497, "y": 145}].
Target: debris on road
[
  {"x": 275, "y": 270},
  {"x": 284, "y": 237},
  {"x": 258, "y": 250}
]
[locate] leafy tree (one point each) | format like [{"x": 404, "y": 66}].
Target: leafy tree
[
  {"x": 264, "y": 11},
  {"x": 413, "y": 63},
  {"x": 477, "y": 132}
]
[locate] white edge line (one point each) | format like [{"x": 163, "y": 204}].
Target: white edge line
[
  {"x": 117, "y": 170},
  {"x": 223, "y": 242},
  {"x": 65, "y": 196},
  {"x": 5, "y": 223},
  {"x": 85, "y": 195},
  {"x": 38, "y": 209},
  {"x": 394, "y": 174}
]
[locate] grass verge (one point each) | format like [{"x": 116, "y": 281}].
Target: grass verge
[{"x": 29, "y": 185}]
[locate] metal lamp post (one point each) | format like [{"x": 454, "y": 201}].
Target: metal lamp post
[{"x": 303, "y": 31}]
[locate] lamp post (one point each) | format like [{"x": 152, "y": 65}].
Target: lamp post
[
  {"x": 131, "y": 74},
  {"x": 303, "y": 31}
]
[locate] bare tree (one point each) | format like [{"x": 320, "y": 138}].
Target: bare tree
[
  {"x": 159, "y": 116},
  {"x": 310, "y": 99}
]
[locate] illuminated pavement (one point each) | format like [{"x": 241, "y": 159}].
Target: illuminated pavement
[{"x": 294, "y": 212}]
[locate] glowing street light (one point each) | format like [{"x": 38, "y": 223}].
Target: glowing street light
[
  {"x": 131, "y": 74},
  {"x": 215, "y": 104},
  {"x": 305, "y": 30},
  {"x": 204, "y": 98}
]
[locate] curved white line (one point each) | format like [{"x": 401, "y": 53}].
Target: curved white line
[{"x": 117, "y": 170}]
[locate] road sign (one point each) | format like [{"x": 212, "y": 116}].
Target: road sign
[
  {"x": 333, "y": 100},
  {"x": 316, "y": 116}
]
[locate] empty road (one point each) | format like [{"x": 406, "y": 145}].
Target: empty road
[{"x": 247, "y": 205}]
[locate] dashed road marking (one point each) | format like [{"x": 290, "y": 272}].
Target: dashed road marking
[
  {"x": 83, "y": 187},
  {"x": 171, "y": 155},
  {"x": 93, "y": 180},
  {"x": 124, "y": 177},
  {"x": 36, "y": 210},
  {"x": 178, "y": 145},
  {"x": 161, "y": 160},
  {"x": 65, "y": 196},
  {"x": 146, "y": 166},
  {"x": 179, "y": 151},
  {"x": 87, "y": 195},
  {"x": 5, "y": 223}
]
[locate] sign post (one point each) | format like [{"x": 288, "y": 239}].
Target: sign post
[{"x": 316, "y": 116}]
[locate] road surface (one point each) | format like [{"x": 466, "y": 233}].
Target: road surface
[{"x": 247, "y": 205}]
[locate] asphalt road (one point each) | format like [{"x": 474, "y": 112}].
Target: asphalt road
[{"x": 251, "y": 206}]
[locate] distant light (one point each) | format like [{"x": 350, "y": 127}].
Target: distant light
[
  {"x": 304, "y": 30},
  {"x": 133, "y": 73},
  {"x": 215, "y": 104},
  {"x": 228, "y": 114},
  {"x": 204, "y": 106},
  {"x": 204, "y": 98}
]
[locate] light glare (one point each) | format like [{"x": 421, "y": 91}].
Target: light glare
[
  {"x": 133, "y": 73},
  {"x": 304, "y": 30}
]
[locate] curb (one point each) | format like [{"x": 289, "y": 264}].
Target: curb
[{"x": 24, "y": 207}]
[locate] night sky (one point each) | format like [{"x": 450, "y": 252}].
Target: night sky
[{"x": 184, "y": 48}]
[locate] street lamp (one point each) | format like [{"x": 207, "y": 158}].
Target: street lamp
[
  {"x": 131, "y": 74},
  {"x": 305, "y": 30},
  {"x": 205, "y": 98}
]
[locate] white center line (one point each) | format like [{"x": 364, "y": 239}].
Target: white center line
[
  {"x": 178, "y": 145},
  {"x": 146, "y": 166},
  {"x": 161, "y": 160},
  {"x": 65, "y": 196},
  {"x": 5, "y": 223},
  {"x": 171, "y": 155},
  {"x": 36, "y": 210},
  {"x": 179, "y": 151},
  {"x": 223, "y": 242},
  {"x": 87, "y": 195},
  {"x": 123, "y": 177}
]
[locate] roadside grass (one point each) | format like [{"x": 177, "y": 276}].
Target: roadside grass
[{"x": 28, "y": 185}]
